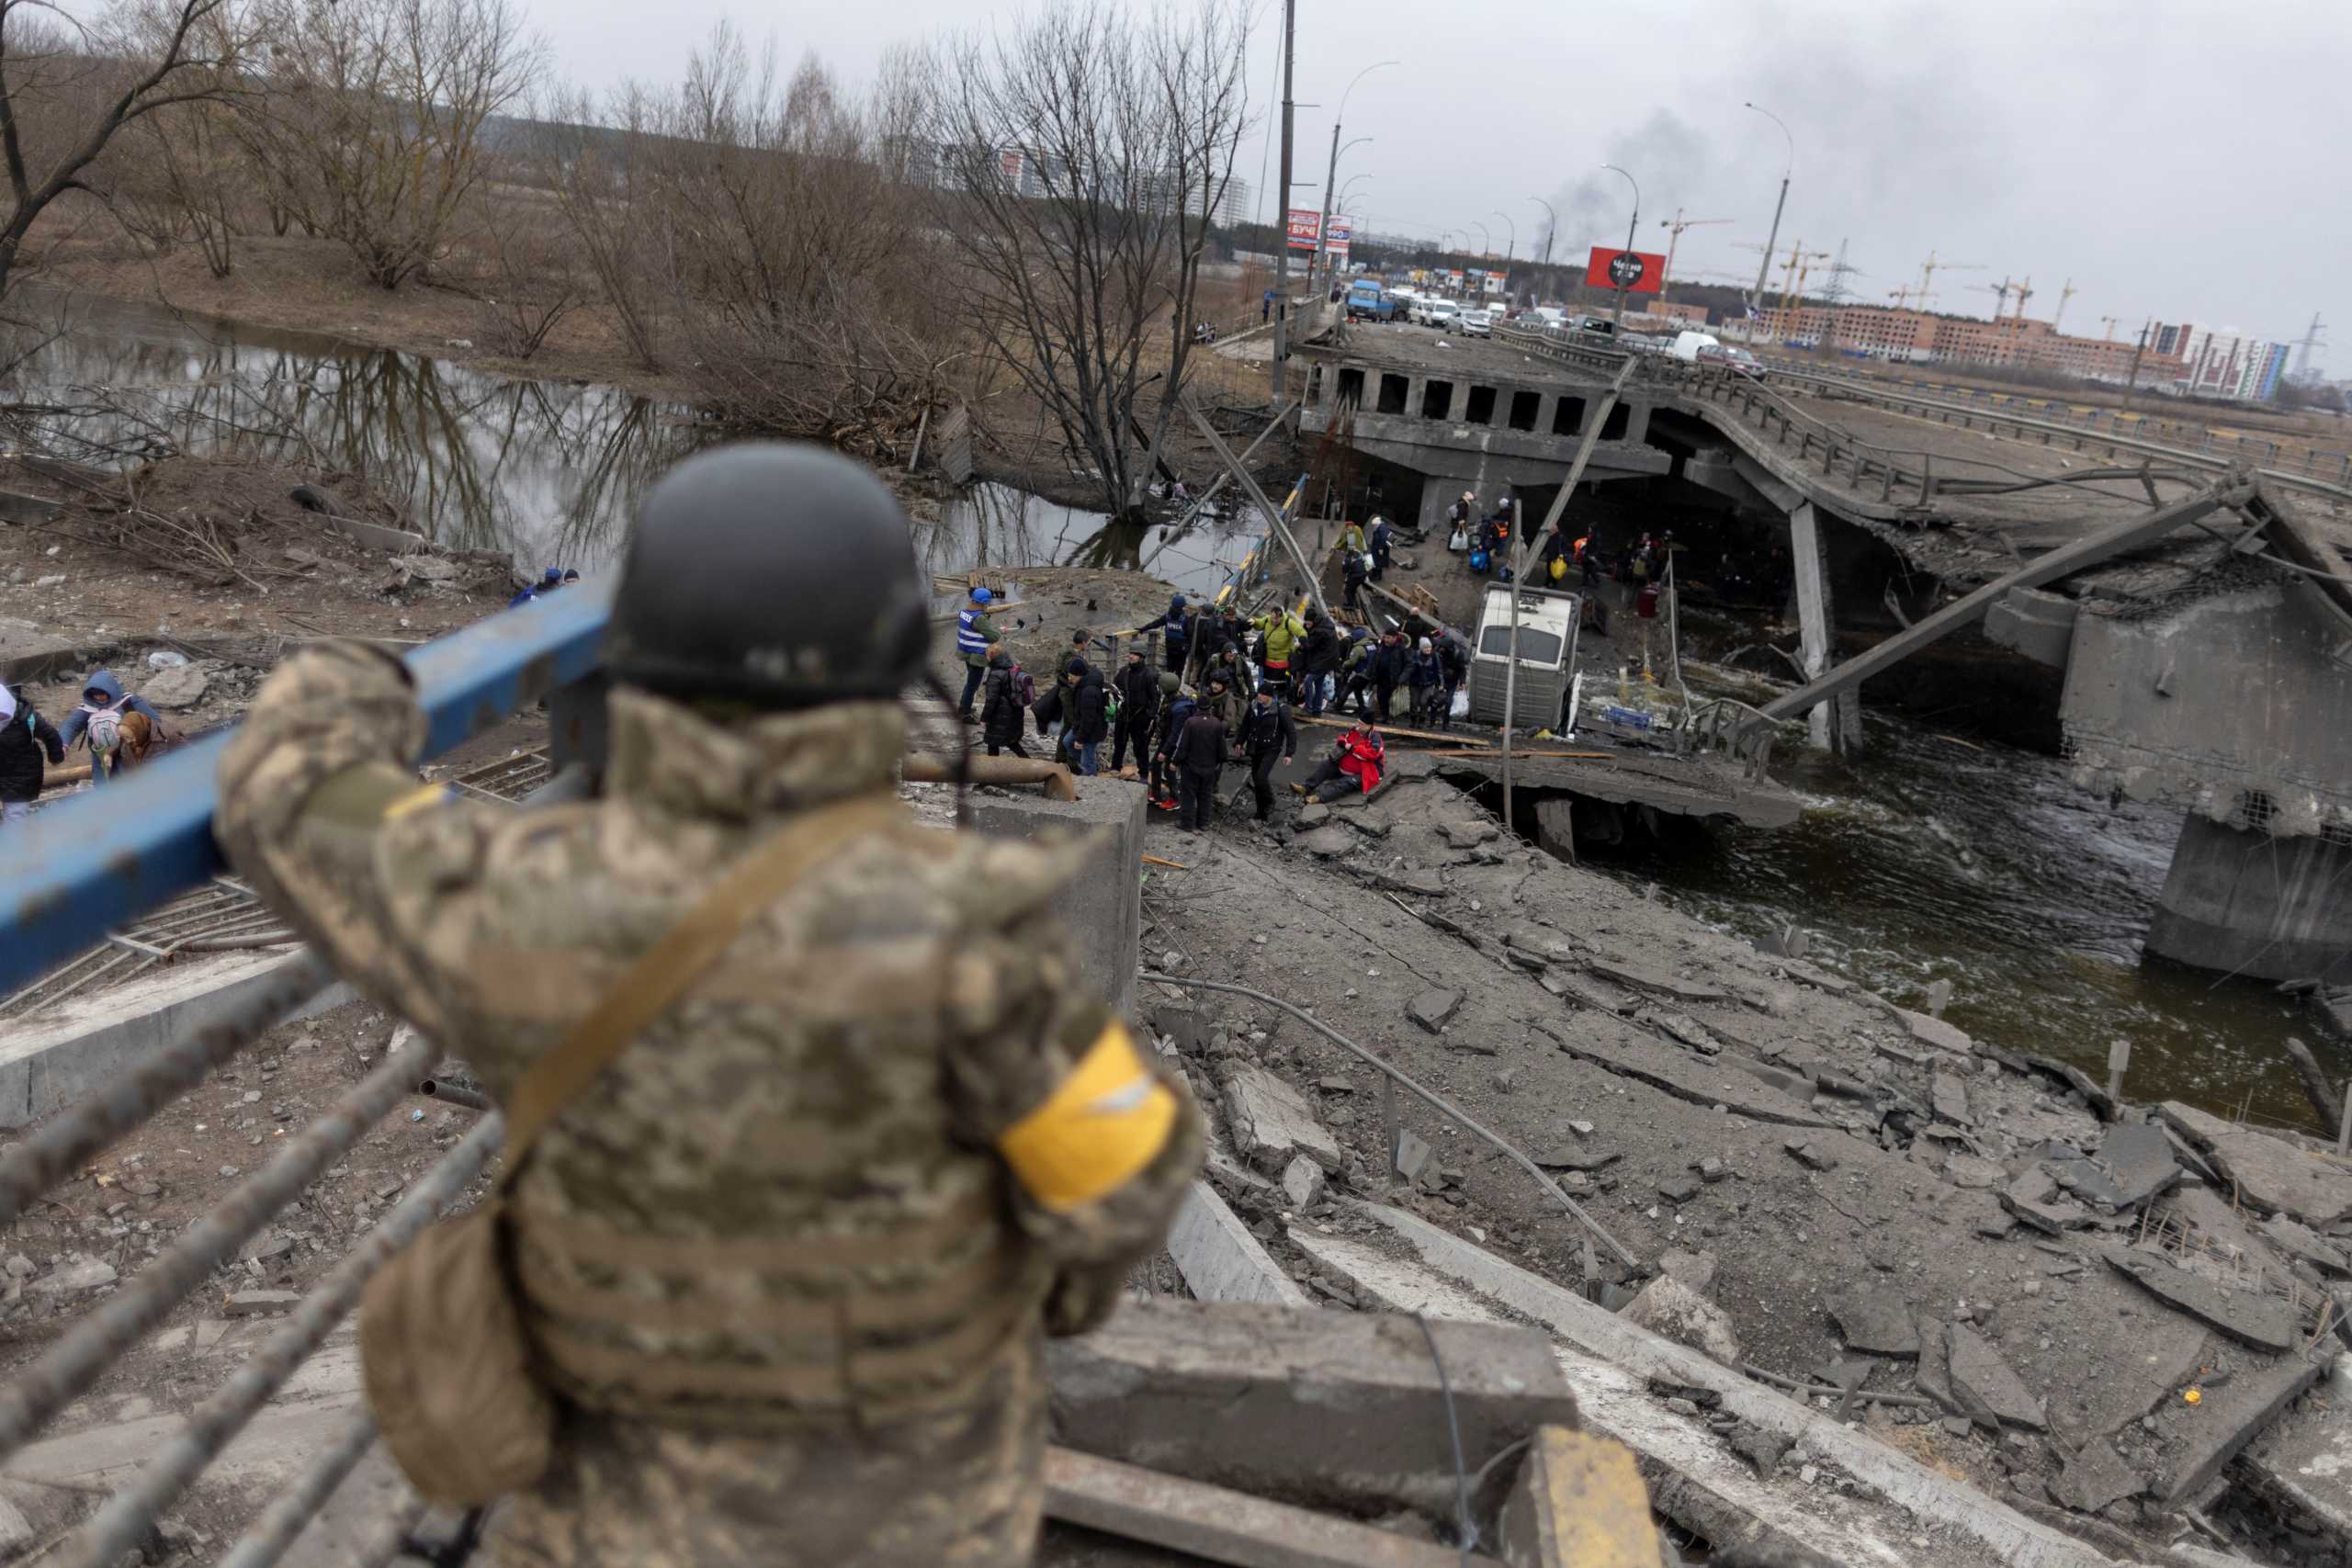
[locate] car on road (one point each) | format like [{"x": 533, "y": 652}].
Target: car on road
[
  {"x": 1475, "y": 321},
  {"x": 1442, "y": 314},
  {"x": 1738, "y": 361}
]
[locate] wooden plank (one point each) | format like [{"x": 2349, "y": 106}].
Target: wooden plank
[
  {"x": 2129, "y": 534},
  {"x": 1221, "y": 1525}
]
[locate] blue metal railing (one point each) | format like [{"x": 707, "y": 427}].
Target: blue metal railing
[{"x": 91, "y": 862}]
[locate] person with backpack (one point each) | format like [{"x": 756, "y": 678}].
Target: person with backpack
[
  {"x": 1138, "y": 695},
  {"x": 1086, "y": 714},
  {"x": 1387, "y": 666},
  {"x": 1317, "y": 655},
  {"x": 1283, "y": 631},
  {"x": 1355, "y": 669},
  {"x": 1177, "y": 627},
  {"x": 1180, "y": 705},
  {"x": 976, "y": 638},
  {"x": 25, "y": 737},
  {"x": 1004, "y": 712},
  {"x": 98, "y": 723},
  {"x": 1426, "y": 679},
  {"x": 1267, "y": 736},
  {"x": 1353, "y": 573}
]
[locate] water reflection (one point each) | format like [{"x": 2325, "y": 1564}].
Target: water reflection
[
  {"x": 549, "y": 470},
  {"x": 995, "y": 525}
]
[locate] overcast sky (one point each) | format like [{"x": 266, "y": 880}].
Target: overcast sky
[{"x": 2185, "y": 159}]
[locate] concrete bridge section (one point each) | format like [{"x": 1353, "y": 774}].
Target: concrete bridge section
[{"x": 1468, "y": 415}]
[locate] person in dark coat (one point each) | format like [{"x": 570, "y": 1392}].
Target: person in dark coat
[
  {"x": 1426, "y": 676},
  {"x": 1453, "y": 661},
  {"x": 1353, "y": 572},
  {"x": 1139, "y": 685},
  {"x": 1177, "y": 706},
  {"x": 1002, "y": 712},
  {"x": 1387, "y": 667},
  {"x": 1318, "y": 658},
  {"x": 1086, "y": 714},
  {"x": 1230, "y": 666},
  {"x": 1177, "y": 626},
  {"x": 1382, "y": 537},
  {"x": 1199, "y": 757},
  {"x": 1267, "y": 737},
  {"x": 1076, "y": 656},
  {"x": 25, "y": 739},
  {"x": 1230, "y": 631}
]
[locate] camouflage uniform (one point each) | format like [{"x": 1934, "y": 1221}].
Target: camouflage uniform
[{"x": 784, "y": 1259}]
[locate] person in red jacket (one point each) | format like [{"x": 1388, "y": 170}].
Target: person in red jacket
[{"x": 1352, "y": 768}]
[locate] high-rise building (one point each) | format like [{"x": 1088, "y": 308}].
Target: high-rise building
[{"x": 2223, "y": 362}]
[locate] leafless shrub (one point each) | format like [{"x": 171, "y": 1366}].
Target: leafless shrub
[{"x": 529, "y": 287}]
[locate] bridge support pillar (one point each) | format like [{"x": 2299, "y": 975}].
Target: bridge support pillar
[
  {"x": 1837, "y": 722},
  {"x": 2239, "y": 900}
]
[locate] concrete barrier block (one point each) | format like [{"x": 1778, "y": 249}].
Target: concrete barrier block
[
  {"x": 1103, "y": 905},
  {"x": 1579, "y": 1504},
  {"x": 1339, "y": 1410}
]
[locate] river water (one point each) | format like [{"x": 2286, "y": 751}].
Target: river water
[{"x": 1929, "y": 860}]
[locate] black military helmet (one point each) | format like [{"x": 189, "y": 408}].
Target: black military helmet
[{"x": 771, "y": 572}]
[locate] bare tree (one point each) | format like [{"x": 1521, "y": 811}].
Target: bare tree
[
  {"x": 1081, "y": 155},
  {"x": 595, "y": 163},
  {"x": 66, "y": 93},
  {"x": 531, "y": 287},
  {"x": 379, "y": 112}
]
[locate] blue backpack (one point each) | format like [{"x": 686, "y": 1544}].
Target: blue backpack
[{"x": 1477, "y": 560}]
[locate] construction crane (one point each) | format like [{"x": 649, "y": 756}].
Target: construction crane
[
  {"x": 2025, "y": 292},
  {"x": 2060, "y": 313},
  {"x": 1674, "y": 227},
  {"x": 1801, "y": 260},
  {"x": 1933, "y": 266},
  {"x": 2110, "y": 327},
  {"x": 2002, "y": 289}
]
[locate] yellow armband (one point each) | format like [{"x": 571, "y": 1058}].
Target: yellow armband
[{"x": 1104, "y": 1123}]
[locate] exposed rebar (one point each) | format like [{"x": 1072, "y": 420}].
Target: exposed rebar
[
  {"x": 1435, "y": 1101},
  {"x": 66, "y": 1145},
  {"x": 124, "y": 1521},
  {"x": 76, "y": 1360},
  {"x": 290, "y": 1512}
]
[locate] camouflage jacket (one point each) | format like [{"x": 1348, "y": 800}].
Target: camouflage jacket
[{"x": 793, "y": 1195}]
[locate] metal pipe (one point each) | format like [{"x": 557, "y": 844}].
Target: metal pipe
[
  {"x": 1435, "y": 1101},
  {"x": 455, "y": 1094},
  {"x": 235, "y": 944},
  {"x": 290, "y": 1512},
  {"x": 67, "y": 1144},
  {"x": 77, "y": 1360},
  {"x": 128, "y": 1515}
]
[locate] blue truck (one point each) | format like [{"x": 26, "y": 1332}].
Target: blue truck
[{"x": 1368, "y": 301}]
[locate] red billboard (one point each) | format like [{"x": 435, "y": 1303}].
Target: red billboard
[
  {"x": 1637, "y": 272},
  {"x": 1303, "y": 222}
]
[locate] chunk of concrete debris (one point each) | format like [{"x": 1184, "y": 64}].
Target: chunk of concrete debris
[
  {"x": 1339, "y": 1410},
  {"x": 1950, "y": 1096},
  {"x": 2269, "y": 1173},
  {"x": 1875, "y": 1320},
  {"x": 2032, "y": 1197},
  {"x": 2263, "y": 1321},
  {"x": 2096, "y": 1477},
  {"x": 1981, "y": 1377},
  {"x": 1668, "y": 1307},
  {"x": 1326, "y": 840},
  {"x": 1696, "y": 1269},
  {"x": 1678, "y": 1188},
  {"x": 1811, "y": 1157},
  {"x": 1303, "y": 1184},
  {"x": 73, "y": 1279},
  {"x": 176, "y": 690},
  {"x": 2199, "y": 1440},
  {"x": 2137, "y": 1157},
  {"x": 1412, "y": 1156},
  {"x": 1971, "y": 1174},
  {"x": 1434, "y": 1009},
  {"x": 1314, "y": 814},
  {"x": 1271, "y": 1124},
  {"x": 1934, "y": 1031},
  {"x": 2086, "y": 1182},
  {"x": 1579, "y": 1500},
  {"x": 2302, "y": 1241},
  {"x": 1656, "y": 980},
  {"x": 1761, "y": 1447},
  {"x": 254, "y": 1303}
]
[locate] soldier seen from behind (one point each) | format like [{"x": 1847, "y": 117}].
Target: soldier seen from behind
[{"x": 831, "y": 1131}]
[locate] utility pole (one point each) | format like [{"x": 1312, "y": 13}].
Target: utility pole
[
  {"x": 2132, "y": 382},
  {"x": 1281, "y": 369},
  {"x": 1617, "y": 319}
]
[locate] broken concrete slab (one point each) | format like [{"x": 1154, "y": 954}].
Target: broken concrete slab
[
  {"x": 1810, "y": 1155},
  {"x": 1707, "y": 1082},
  {"x": 1876, "y": 1319},
  {"x": 2202, "y": 1437},
  {"x": 2269, "y": 1173},
  {"x": 1672, "y": 1310},
  {"x": 1610, "y": 1361},
  {"x": 74, "y": 1278},
  {"x": 1303, "y": 1184},
  {"x": 1950, "y": 1096},
  {"x": 2302, "y": 1241},
  {"x": 1219, "y": 1258},
  {"x": 2262, "y": 1322},
  {"x": 2137, "y": 1157},
  {"x": 2032, "y": 1197},
  {"x": 1433, "y": 1009},
  {"x": 1391, "y": 1284},
  {"x": 1796, "y": 1086},
  {"x": 1657, "y": 981},
  {"x": 2306, "y": 1456},
  {"x": 1934, "y": 1376},
  {"x": 1971, "y": 1174},
  {"x": 1934, "y": 1031},
  {"x": 1980, "y": 1377},
  {"x": 1342, "y": 1410},
  {"x": 2095, "y": 1477},
  {"x": 1272, "y": 1124}
]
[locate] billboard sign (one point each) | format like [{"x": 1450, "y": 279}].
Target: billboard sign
[
  {"x": 1336, "y": 237},
  {"x": 1496, "y": 281},
  {"x": 1303, "y": 222},
  {"x": 1637, "y": 272}
]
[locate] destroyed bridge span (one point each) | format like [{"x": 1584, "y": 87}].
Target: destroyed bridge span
[{"x": 2200, "y": 619}]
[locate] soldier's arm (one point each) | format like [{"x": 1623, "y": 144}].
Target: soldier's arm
[
  {"x": 1099, "y": 1139},
  {"x": 316, "y": 780}
]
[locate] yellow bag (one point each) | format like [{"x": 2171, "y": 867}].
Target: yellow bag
[
  {"x": 1559, "y": 567},
  {"x": 443, "y": 1355}
]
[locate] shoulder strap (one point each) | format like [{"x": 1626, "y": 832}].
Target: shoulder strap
[{"x": 665, "y": 969}]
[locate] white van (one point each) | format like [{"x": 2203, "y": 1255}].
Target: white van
[
  {"x": 1687, "y": 344},
  {"x": 1441, "y": 313},
  {"x": 1547, "y": 656}
]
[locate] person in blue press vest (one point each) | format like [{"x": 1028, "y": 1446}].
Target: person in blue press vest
[{"x": 976, "y": 638}]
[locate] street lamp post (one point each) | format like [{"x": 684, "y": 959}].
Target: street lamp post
[
  {"x": 1550, "y": 232},
  {"x": 1510, "y": 246},
  {"x": 1333, "y": 172},
  {"x": 1485, "y": 239},
  {"x": 1631, "y": 224},
  {"x": 1787, "y": 169}
]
